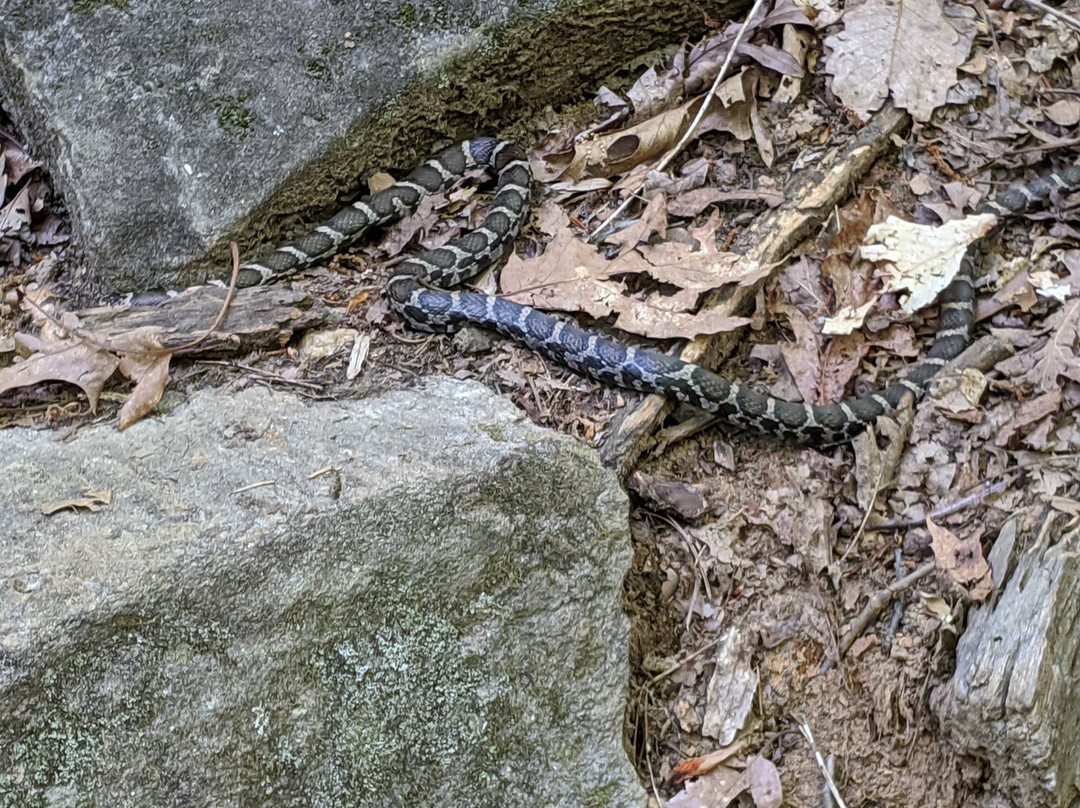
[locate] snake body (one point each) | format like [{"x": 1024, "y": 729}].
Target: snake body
[{"x": 415, "y": 290}]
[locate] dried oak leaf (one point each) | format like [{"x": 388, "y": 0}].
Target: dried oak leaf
[
  {"x": 618, "y": 152},
  {"x": 1057, "y": 356},
  {"x": 803, "y": 357},
  {"x": 572, "y": 276},
  {"x": 66, "y": 359},
  {"x": 144, "y": 362},
  {"x": 1035, "y": 412},
  {"x": 16, "y": 213},
  {"x": 908, "y": 47}
]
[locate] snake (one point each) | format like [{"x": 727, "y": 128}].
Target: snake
[{"x": 419, "y": 290}]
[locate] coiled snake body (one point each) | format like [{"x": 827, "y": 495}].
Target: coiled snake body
[{"x": 414, "y": 290}]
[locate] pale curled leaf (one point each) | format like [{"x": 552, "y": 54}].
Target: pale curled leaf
[
  {"x": 924, "y": 259},
  {"x": 846, "y": 320},
  {"x": 645, "y": 142},
  {"x": 729, "y": 697},
  {"x": 721, "y": 786},
  {"x": 151, "y": 373}
]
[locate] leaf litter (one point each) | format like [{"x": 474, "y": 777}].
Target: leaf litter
[{"x": 764, "y": 538}]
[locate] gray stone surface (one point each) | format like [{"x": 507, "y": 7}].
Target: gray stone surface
[
  {"x": 172, "y": 126},
  {"x": 432, "y": 622},
  {"x": 1014, "y": 700}
]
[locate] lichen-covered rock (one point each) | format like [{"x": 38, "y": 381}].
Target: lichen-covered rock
[
  {"x": 411, "y": 600},
  {"x": 171, "y": 127}
]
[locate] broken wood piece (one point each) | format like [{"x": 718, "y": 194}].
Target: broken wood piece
[{"x": 258, "y": 318}]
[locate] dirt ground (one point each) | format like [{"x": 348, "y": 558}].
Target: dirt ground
[{"x": 753, "y": 558}]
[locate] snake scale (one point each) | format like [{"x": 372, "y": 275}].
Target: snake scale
[{"x": 416, "y": 290}]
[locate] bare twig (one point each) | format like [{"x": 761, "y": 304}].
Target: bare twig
[
  {"x": 826, "y": 770},
  {"x": 873, "y": 608},
  {"x": 689, "y": 657},
  {"x": 234, "y": 252},
  {"x": 981, "y": 492},
  {"x": 1054, "y": 12}
]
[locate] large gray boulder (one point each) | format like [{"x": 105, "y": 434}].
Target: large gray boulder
[
  {"x": 433, "y": 620},
  {"x": 172, "y": 127}
]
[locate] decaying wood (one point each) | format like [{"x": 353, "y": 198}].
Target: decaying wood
[
  {"x": 1013, "y": 700},
  {"x": 813, "y": 197},
  {"x": 259, "y": 318}
]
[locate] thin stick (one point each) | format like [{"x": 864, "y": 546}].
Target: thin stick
[
  {"x": 1053, "y": 12},
  {"x": 667, "y": 158},
  {"x": 873, "y": 608},
  {"x": 825, "y": 769},
  {"x": 234, "y": 252},
  {"x": 984, "y": 490},
  {"x": 665, "y": 673}
]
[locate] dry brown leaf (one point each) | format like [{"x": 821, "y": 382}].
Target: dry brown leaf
[
  {"x": 803, "y": 357},
  {"x": 653, "y": 93},
  {"x": 16, "y": 164},
  {"x": 16, "y": 213},
  {"x": 870, "y": 472},
  {"x": 1017, "y": 292},
  {"x": 961, "y": 560},
  {"x": 1027, "y": 414},
  {"x": 959, "y": 395},
  {"x": 412, "y": 227},
  {"x": 1057, "y": 356},
  {"x": 90, "y": 500},
  {"x": 151, "y": 373},
  {"x": 842, "y": 358},
  {"x": 691, "y": 203},
  {"x": 572, "y": 276},
  {"x": 144, "y": 362},
  {"x": 691, "y": 176},
  {"x": 653, "y": 220},
  {"x": 686, "y": 500},
  {"x": 720, "y": 787},
  {"x": 71, "y": 360},
  {"x": 703, "y": 62},
  {"x": 645, "y": 142},
  {"x": 1065, "y": 112},
  {"x": 908, "y": 47}
]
